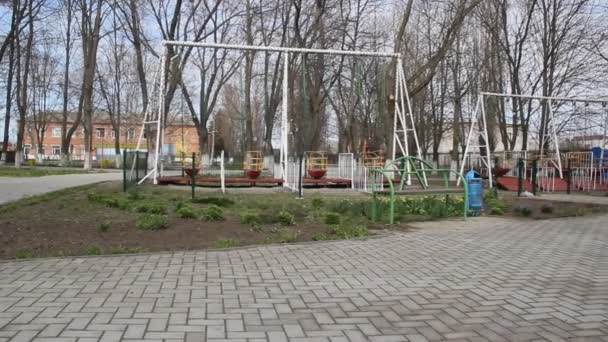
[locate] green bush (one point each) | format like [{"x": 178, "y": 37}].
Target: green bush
[
  {"x": 288, "y": 235},
  {"x": 103, "y": 227},
  {"x": 106, "y": 163},
  {"x": 349, "y": 231},
  {"x": 349, "y": 207},
  {"x": 547, "y": 208},
  {"x": 317, "y": 203},
  {"x": 286, "y": 218},
  {"x": 250, "y": 218},
  {"x": 31, "y": 162},
  {"x": 319, "y": 237},
  {"x": 219, "y": 201},
  {"x": 150, "y": 208},
  {"x": 213, "y": 213},
  {"x": 94, "y": 250},
  {"x": 185, "y": 212},
  {"x": 226, "y": 243},
  {"x": 523, "y": 211},
  {"x": 332, "y": 218},
  {"x": 151, "y": 222},
  {"x": 24, "y": 254}
]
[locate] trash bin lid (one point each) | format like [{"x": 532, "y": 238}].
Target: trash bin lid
[{"x": 472, "y": 174}]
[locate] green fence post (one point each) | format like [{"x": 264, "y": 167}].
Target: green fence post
[
  {"x": 193, "y": 176},
  {"x": 520, "y": 177},
  {"x": 124, "y": 170},
  {"x": 534, "y": 176},
  {"x": 136, "y": 167}
]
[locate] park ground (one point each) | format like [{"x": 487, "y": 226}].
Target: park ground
[{"x": 529, "y": 269}]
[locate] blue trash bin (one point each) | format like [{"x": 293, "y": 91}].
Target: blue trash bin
[{"x": 475, "y": 191}]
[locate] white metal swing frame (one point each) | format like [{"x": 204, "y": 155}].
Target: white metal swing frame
[
  {"x": 479, "y": 118},
  {"x": 403, "y": 117}
]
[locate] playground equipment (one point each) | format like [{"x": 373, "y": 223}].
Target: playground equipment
[
  {"x": 316, "y": 164},
  {"x": 395, "y": 175},
  {"x": 253, "y": 164},
  {"x": 404, "y": 132},
  {"x": 549, "y": 159}
]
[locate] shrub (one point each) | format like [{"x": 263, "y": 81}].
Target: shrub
[
  {"x": 134, "y": 195},
  {"x": 185, "y": 212},
  {"x": 219, "y": 201},
  {"x": 106, "y": 163},
  {"x": 349, "y": 231},
  {"x": 317, "y": 203},
  {"x": 150, "y": 208},
  {"x": 226, "y": 243},
  {"x": 523, "y": 211},
  {"x": 94, "y": 250},
  {"x": 497, "y": 211},
  {"x": 332, "y": 218},
  {"x": 250, "y": 218},
  {"x": 213, "y": 213},
  {"x": 319, "y": 237},
  {"x": 151, "y": 222},
  {"x": 286, "y": 218},
  {"x": 546, "y": 208},
  {"x": 31, "y": 162},
  {"x": 103, "y": 227},
  {"x": 288, "y": 235},
  {"x": 24, "y": 254}
]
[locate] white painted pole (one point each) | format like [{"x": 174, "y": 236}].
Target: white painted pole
[
  {"x": 473, "y": 121},
  {"x": 285, "y": 120},
  {"x": 555, "y": 141},
  {"x": 281, "y": 49},
  {"x": 554, "y": 98},
  {"x": 222, "y": 173},
  {"x": 487, "y": 142}
]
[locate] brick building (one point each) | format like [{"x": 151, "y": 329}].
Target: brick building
[{"x": 104, "y": 137}]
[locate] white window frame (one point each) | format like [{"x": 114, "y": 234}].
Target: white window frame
[
  {"x": 99, "y": 130},
  {"x": 56, "y": 132},
  {"x": 58, "y": 149}
]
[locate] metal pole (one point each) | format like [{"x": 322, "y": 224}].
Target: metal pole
[
  {"x": 520, "y": 171},
  {"x": 124, "y": 170},
  {"x": 281, "y": 49},
  {"x": 534, "y": 175},
  {"x": 192, "y": 174},
  {"x": 554, "y": 98},
  {"x": 136, "y": 166},
  {"x": 300, "y": 177},
  {"x": 569, "y": 177}
]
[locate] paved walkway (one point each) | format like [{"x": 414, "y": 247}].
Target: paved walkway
[
  {"x": 479, "y": 280},
  {"x": 14, "y": 188}
]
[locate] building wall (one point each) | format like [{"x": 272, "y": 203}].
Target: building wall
[{"x": 103, "y": 143}]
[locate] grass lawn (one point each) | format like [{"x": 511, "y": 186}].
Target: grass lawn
[{"x": 37, "y": 172}]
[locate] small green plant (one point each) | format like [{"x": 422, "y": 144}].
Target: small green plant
[
  {"x": 185, "y": 212},
  {"x": 31, "y": 162},
  {"x": 151, "y": 222},
  {"x": 250, "y": 218},
  {"x": 288, "y": 235},
  {"x": 126, "y": 250},
  {"x": 286, "y": 218},
  {"x": 213, "y": 213},
  {"x": 497, "y": 211},
  {"x": 225, "y": 243},
  {"x": 106, "y": 163},
  {"x": 317, "y": 203},
  {"x": 257, "y": 228},
  {"x": 134, "y": 195},
  {"x": 523, "y": 211},
  {"x": 547, "y": 208},
  {"x": 319, "y": 237},
  {"x": 348, "y": 231},
  {"x": 219, "y": 201},
  {"x": 94, "y": 250},
  {"x": 24, "y": 254},
  {"x": 150, "y": 208},
  {"x": 103, "y": 227},
  {"x": 332, "y": 218}
]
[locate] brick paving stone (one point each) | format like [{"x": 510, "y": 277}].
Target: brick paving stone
[{"x": 484, "y": 279}]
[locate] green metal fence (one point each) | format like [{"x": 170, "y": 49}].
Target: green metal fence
[{"x": 134, "y": 167}]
